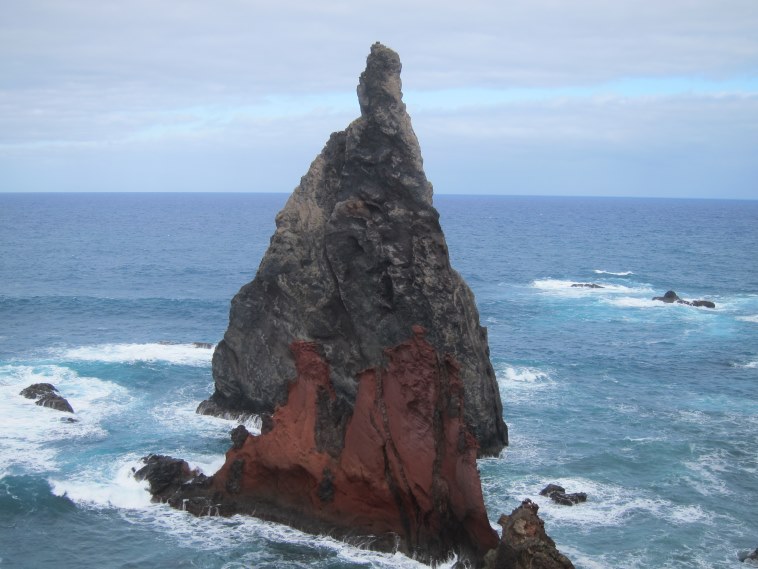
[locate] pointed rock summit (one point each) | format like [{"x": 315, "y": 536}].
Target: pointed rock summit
[{"x": 357, "y": 260}]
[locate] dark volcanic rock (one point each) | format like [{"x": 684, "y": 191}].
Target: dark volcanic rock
[
  {"x": 749, "y": 557},
  {"x": 165, "y": 474},
  {"x": 357, "y": 259},
  {"x": 47, "y": 395},
  {"x": 558, "y": 495},
  {"x": 550, "y": 488},
  {"x": 671, "y": 297},
  {"x": 524, "y": 543}
]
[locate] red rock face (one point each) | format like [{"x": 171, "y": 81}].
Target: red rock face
[{"x": 406, "y": 471}]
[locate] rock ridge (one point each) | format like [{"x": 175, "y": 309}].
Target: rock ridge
[{"x": 357, "y": 258}]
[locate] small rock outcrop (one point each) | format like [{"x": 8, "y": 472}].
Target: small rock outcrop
[
  {"x": 47, "y": 395},
  {"x": 558, "y": 495},
  {"x": 357, "y": 259},
  {"x": 671, "y": 297},
  {"x": 751, "y": 558},
  {"x": 524, "y": 543}
]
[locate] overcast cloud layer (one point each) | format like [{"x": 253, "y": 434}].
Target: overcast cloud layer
[{"x": 588, "y": 97}]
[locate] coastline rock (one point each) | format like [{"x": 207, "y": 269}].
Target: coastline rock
[
  {"x": 671, "y": 297},
  {"x": 47, "y": 395},
  {"x": 402, "y": 472},
  {"x": 749, "y": 557},
  {"x": 586, "y": 285},
  {"x": 358, "y": 258},
  {"x": 524, "y": 543}
]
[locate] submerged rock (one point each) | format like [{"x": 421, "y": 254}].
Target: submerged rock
[
  {"x": 47, "y": 395},
  {"x": 671, "y": 297},
  {"x": 748, "y": 557},
  {"x": 586, "y": 285},
  {"x": 357, "y": 259},
  {"x": 524, "y": 543}
]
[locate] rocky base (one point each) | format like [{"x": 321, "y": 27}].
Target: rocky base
[
  {"x": 47, "y": 395},
  {"x": 671, "y": 297},
  {"x": 524, "y": 543},
  {"x": 399, "y": 470}
]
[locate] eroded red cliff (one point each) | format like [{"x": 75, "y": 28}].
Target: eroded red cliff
[{"x": 405, "y": 473}]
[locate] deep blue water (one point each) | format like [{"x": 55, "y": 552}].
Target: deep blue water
[{"x": 651, "y": 409}]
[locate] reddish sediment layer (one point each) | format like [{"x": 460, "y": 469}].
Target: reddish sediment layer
[{"x": 401, "y": 468}]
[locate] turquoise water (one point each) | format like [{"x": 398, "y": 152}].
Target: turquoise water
[{"x": 650, "y": 409}]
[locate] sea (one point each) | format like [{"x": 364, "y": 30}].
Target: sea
[{"x": 651, "y": 409}]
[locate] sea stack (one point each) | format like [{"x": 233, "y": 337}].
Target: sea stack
[
  {"x": 358, "y": 258},
  {"x": 361, "y": 348}
]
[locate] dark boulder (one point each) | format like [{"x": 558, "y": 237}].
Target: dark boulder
[
  {"x": 524, "y": 543},
  {"x": 165, "y": 475},
  {"x": 668, "y": 298},
  {"x": 47, "y": 395},
  {"x": 550, "y": 488},
  {"x": 749, "y": 557},
  {"x": 558, "y": 495}
]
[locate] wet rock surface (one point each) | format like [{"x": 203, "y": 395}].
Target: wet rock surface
[
  {"x": 358, "y": 257},
  {"x": 47, "y": 395}
]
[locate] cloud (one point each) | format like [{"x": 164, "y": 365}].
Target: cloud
[{"x": 197, "y": 84}]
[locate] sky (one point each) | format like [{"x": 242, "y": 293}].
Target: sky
[{"x": 642, "y": 98}]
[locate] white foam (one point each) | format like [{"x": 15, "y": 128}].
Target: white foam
[
  {"x": 633, "y": 302},
  {"x": 622, "y": 274},
  {"x": 525, "y": 374},
  {"x": 111, "y": 485},
  {"x": 181, "y": 417},
  {"x": 752, "y": 318},
  {"x": 520, "y": 383},
  {"x": 28, "y": 428},
  {"x": 607, "y": 504},
  {"x": 180, "y": 354},
  {"x": 564, "y": 287}
]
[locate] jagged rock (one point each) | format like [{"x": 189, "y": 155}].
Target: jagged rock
[
  {"x": 586, "y": 285},
  {"x": 358, "y": 257},
  {"x": 671, "y": 297},
  {"x": 524, "y": 543},
  {"x": 405, "y": 473},
  {"x": 749, "y": 557},
  {"x": 47, "y": 395},
  {"x": 558, "y": 495}
]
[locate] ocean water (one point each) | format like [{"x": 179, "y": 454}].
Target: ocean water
[{"x": 650, "y": 409}]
